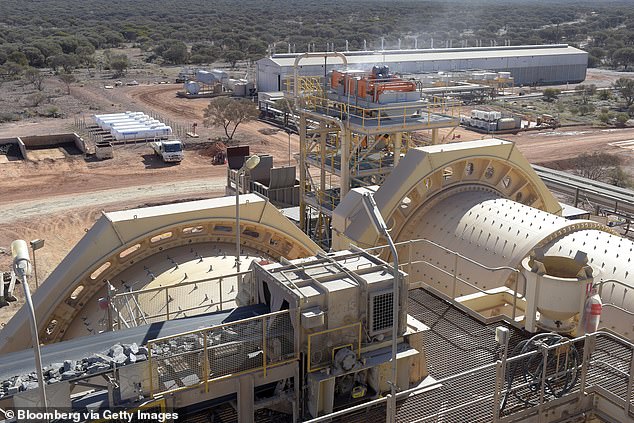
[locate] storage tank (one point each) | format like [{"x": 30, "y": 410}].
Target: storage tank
[
  {"x": 506, "y": 123},
  {"x": 192, "y": 87},
  {"x": 205, "y": 77},
  {"x": 220, "y": 75}
]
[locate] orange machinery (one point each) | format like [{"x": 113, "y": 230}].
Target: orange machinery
[{"x": 377, "y": 82}]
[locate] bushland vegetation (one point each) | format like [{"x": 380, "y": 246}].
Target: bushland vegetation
[{"x": 64, "y": 34}]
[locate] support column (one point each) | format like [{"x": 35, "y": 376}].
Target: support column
[
  {"x": 398, "y": 141},
  {"x": 322, "y": 174},
  {"x": 246, "y": 399},
  {"x": 345, "y": 162},
  {"x": 434, "y": 136},
  {"x": 302, "y": 171}
]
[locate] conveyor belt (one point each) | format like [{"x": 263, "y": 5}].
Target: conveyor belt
[
  {"x": 596, "y": 192},
  {"x": 22, "y": 362}
]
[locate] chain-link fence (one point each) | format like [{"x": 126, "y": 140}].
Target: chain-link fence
[{"x": 203, "y": 356}]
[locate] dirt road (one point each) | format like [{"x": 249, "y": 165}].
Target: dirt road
[{"x": 156, "y": 193}]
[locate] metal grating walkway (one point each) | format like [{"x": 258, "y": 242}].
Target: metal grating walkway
[{"x": 456, "y": 341}]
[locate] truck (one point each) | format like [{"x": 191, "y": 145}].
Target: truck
[{"x": 170, "y": 151}]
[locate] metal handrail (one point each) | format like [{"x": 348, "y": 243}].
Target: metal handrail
[
  {"x": 221, "y": 325},
  {"x": 161, "y": 288},
  {"x": 546, "y": 349},
  {"x": 204, "y": 366},
  {"x": 125, "y": 298},
  {"x": 515, "y": 271},
  {"x": 621, "y": 309}
]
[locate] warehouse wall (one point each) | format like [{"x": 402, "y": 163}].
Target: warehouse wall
[{"x": 541, "y": 69}]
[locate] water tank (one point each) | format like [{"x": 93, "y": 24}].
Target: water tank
[
  {"x": 220, "y": 75},
  {"x": 205, "y": 77},
  {"x": 192, "y": 87},
  {"x": 506, "y": 123}
]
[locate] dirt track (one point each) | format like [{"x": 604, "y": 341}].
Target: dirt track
[{"x": 177, "y": 108}]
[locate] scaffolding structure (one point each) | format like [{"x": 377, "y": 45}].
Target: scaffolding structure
[{"x": 346, "y": 142}]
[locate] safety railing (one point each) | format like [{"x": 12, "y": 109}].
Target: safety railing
[
  {"x": 306, "y": 84},
  {"x": 185, "y": 299},
  {"x": 322, "y": 346},
  {"x": 328, "y": 199},
  {"x": 437, "y": 112},
  {"x": 615, "y": 283},
  {"x": 518, "y": 290},
  {"x": 537, "y": 379},
  {"x": 201, "y": 357}
]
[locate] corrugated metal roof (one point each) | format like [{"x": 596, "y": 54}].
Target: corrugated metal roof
[{"x": 394, "y": 56}]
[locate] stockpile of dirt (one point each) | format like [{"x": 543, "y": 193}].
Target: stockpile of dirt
[{"x": 213, "y": 149}]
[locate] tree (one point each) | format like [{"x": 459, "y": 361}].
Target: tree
[
  {"x": 625, "y": 87},
  {"x": 584, "y": 109},
  {"x": 11, "y": 70},
  {"x": 119, "y": 63},
  {"x": 68, "y": 62},
  {"x": 204, "y": 53},
  {"x": 176, "y": 54},
  {"x": 621, "y": 119},
  {"x": 623, "y": 56},
  {"x": 67, "y": 79},
  {"x": 595, "y": 166},
  {"x": 35, "y": 56},
  {"x": 232, "y": 57},
  {"x": 551, "y": 94},
  {"x": 225, "y": 112},
  {"x": 35, "y": 99},
  {"x": 172, "y": 51},
  {"x": 586, "y": 92},
  {"x": 35, "y": 77},
  {"x": 18, "y": 57},
  {"x": 605, "y": 94},
  {"x": 619, "y": 178}
]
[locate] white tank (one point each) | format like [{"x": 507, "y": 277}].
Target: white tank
[
  {"x": 506, "y": 123},
  {"x": 205, "y": 77},
  {"x": 192, "y": 87},
  {"x": 220, "y": 75}
]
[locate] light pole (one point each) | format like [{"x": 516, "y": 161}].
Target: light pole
[
  {"x": 22, "y": 268},
  {"x": 36, "y": 244},
  {"x": 379, "y": 223},
  {"x": 249, "y": 164}
]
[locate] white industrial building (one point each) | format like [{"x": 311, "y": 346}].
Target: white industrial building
[{"x": 545, "y": 64}]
